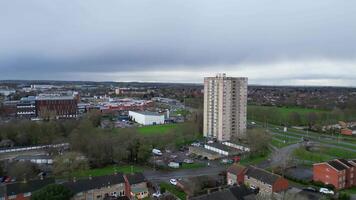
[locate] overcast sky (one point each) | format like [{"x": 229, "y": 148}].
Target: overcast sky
[{"x": 274, "y": 42}]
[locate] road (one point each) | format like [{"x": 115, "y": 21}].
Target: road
[
  {"x": 317, "y": 139},
  {"x": 159, "y": 176}
]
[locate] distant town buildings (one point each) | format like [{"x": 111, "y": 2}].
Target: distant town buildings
[
  {"x": 132, "y": 91},
  {"x": 146, "y": 118},
  {"x": 47, "y": 106},
  {"x": 225, "y": 107},
  {"x": 113, "y": 105},
  {"x": 6, "y": 91}
]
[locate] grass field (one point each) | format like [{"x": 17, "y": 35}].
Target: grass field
[
  {"x": 285, "y": 111},
  {"x": 278, "y": 115},
  {"x": 158, "y": 129},
  {"x": 252, "y": 160},
  {"x": 107, "y": 171},
  {"x": 303, "y": 154}
]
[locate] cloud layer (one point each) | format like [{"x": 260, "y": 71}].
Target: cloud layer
[{"x": 270, "y": 41}]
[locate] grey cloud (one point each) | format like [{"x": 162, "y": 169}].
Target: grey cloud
[{"x": 140, "y": 35}]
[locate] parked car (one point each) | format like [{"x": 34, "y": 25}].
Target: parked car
[
  {"x": 173, "y": 181},
  {"x": 157, "y": 152},
  {"x": 326, "y": 191},
  {"x": 174, "y": 165},
  {"x": 188, "y": 161},
  {"x": 196, "y": 144},
  {"x": 156, "y": 194},
  {"x": 310, "y": 189},
  {"x": 253, "y": 187},
  {"x": 226, "y": 161}
]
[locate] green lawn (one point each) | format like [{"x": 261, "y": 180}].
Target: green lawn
[
  {"x": 252, "y": 160},
  {"x": 303, "y": 154},
  {"x": 174, "y": 190},
  {"x": 158, "y": 129},
  {"x": 285, "y": 111},
  {"x": 278, "y": 115},
  {"x": 340, "y": 153},
  {"x": 107, "y": 171}
]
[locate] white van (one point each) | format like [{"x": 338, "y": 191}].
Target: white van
[{"x": 157, "y": 152}]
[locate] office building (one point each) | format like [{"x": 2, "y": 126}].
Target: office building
[{"x": 225, "y": 107}]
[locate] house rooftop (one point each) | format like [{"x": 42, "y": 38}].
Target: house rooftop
[
  {"x": 30, "y": 186},
  {"x": 235, "y": 169},
  {"x": 337, "y": 165},
  {"x": 233, "y": 193},
  {"x": 345, "y": 162},
  {"x": 262, "y": 175},
  {"x": 29, "y": 157},
  {"x": 136, "y": 178},
  {"x": 222, "y": 147},
  {"x": 94, "y": 182}
]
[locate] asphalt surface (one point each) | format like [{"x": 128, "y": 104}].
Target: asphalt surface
[{"x": 159, "y": 176}]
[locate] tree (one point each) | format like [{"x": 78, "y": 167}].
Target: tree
[
  {"x": 94, "y": 117},
  {"x": 294, "y": 118},
  {"x": 259, "y": 141},
  {"x": 53, "y": 192},
  {"x": 312, "y": 118},
  {"x": 68, "y": 163},
  {"x": 23, "y": 170}
]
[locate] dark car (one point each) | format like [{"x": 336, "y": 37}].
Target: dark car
[{"x": 310, "y": 189}]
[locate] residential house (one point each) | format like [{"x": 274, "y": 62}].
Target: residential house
[
  {"x": 232, "y": 193},
  {"x": 267, "y": 182},
  {"x": 340, "y": 173},
  {"x": 235, "y": 175},
  {"x": 22, "y": 190},
  {"x": 136, "y": 186},
  {"x": 98, "y": 188}
]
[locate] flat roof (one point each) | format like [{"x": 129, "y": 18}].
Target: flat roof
[
  {"x": 222, "y": 147},
  {"x": 147, "y": 113}
]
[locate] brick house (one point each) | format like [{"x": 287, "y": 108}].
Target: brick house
[
  {"x": 346, "y": 131},
  {"x": 340, "y": 173},
  {"x": 267, "y": 182},
  {"x": 136, "y": 186},
  {"x": 22, "y": 190},
  {"x": 101, "y": 187},
  {"x": 235, "y": 175}
]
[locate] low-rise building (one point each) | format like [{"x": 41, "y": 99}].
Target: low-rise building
[
  {"x": 22, "y": 190},
  {"x": 98, "y": 187},
  {"x": 340, "y": 173},
  {"x": 205, "y": 153},
  {"x": 232, "y": 193},
  {"x": 136, "y": 186},
  {"x": 38, "y": 159},
  {"x": 222, "y": 149},
  {"x": 267, "y": 182},
  {"x": 235, "y": 175},
  {"x": 26, "y": 107},
  {"x": 237, "y": 146},
  {"x": 146, "y": 118}
]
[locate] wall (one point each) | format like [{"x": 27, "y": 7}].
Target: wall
[{"x": 328, "y": 175}]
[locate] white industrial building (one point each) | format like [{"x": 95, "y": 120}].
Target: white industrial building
[{"x": 146, "y": 118}]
